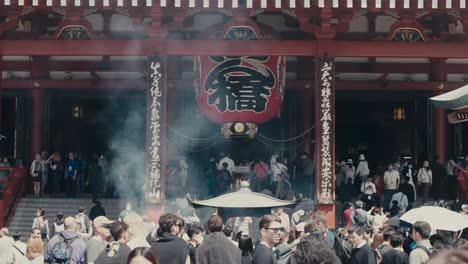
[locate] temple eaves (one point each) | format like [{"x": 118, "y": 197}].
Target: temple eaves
[{"x": 373, "y": 4}]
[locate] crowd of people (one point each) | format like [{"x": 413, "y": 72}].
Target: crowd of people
[
  {"x": 286, "y": 236},
  {"x": 54, "y": 176}
]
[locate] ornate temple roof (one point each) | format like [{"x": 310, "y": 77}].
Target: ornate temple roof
[{"x": 455, "y": 99}]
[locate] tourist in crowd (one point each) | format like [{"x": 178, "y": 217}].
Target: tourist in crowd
[
  {"x": 270, "y": 229},
  {"x": 6, "y": 248},
  {"x": 98, "y": 242},
  {"x": 391, "y": 183},
  {"x": 58, "y": 223},
  {"x": 284, "y": 218},
  {"x": 395, "y": 255},
  {"x": 170, "y": 249},
  {"x": 340, "y": 175},
  {"x": 34, "y": 251},
  {"x": 95, "y": 178},
  {"x": 368, "y": 191},
  {"x": 85, "y": 223},
  {"x": 137, "y": 231},
  {"x": 420, "y": 234},
  {"x": 402, "y": 200},
  {"x": 385, "y": 246},
  {"x": 377, "y": 218},
  {"x": 408, "y": 190},
  {"x": 362, "y": 170},
  {"x": 224, "y": 179},
  {"x": 36, "y": 174},
  {"x": 195, "y": 233},
  {"x": 74, "y": 241},
  {"x": 397, "y": 165},
  {"x": 127, "y": 211},
  {"x": 348, "y": 214},
  {"x": 246, "y": 246},
  {"x": 362, "y": 252},
  {"x": 410, "y": 173},
  {"x": 45, "y": 159},
  {"x": 260, "y": 172},
  {"x": 55, "y": 172},
  {"x": 350, "y": 171},
  {"x": 279, "y": 172},
  {"x": 380, "y": 188},
  {"x": 19, "y": 248},
  {"x": 425, "y": 180},
  {"x": 217, "y": 248},
  {"x": 36, "y": 232},
  {"x": 40, "y": 222},
  {"x": 211, "y": 171},
  {"x": 451, "y": 179},
  {"x": 117, "y": 251},
  {"x": 71, "y": 171},
  {"x": 360, "y": 216},
  {"x": 142, "y": 255},
  {"x": 225, "y": 158},
  {"x": 439, "y": 179},
  {"x": 314, "y": 249},
  {"x": 96, "y": 210},
  {"x": 348, "y": 191}
]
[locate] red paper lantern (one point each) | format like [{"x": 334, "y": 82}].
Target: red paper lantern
[{"x": 246, "y": 89}]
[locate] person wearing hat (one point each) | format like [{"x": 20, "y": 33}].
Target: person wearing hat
[
  {"x": 98, "y": 242},
  {"x": 350, "y": 170},
  {"x": 362, "y": 171},
  {"x": 464, "y": 210}
]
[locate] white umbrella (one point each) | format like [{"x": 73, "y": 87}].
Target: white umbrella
[{"x": 439, "y": 218}]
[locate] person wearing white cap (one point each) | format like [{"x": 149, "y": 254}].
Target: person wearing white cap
[
  {"x": 464, "y": 210},
  {"x": 362, "y": 171},
  {"x": 97, "y": 243},
  {"x": 350, "y": 170}
]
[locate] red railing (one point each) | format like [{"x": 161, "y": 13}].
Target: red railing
[{"x": 14, "y": 187}]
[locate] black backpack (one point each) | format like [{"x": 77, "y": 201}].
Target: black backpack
[{"x": 62, "y": 250}]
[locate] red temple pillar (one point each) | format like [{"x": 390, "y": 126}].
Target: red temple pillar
[
  {"x": 39, "y": 71},
  {"x": 156, "y": 149},
  {"x": 325, "y": 130},
  {"x": 439, "y": 125}
]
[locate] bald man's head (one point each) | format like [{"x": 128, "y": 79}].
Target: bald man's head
[{"x": 70, "y": 223}]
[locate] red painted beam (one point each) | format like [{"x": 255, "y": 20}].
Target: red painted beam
[
  {"x": 230, "y": 48},
  {"x": 293, "y": 85},
  {"x": 393, "y": 49}
]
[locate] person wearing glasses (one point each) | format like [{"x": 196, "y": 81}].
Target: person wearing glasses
[
  {"x": 170, "y": 249},
  {"x": 271, "y": 230}
]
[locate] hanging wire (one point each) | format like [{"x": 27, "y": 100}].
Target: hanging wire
[
  {"x": 285, "y": 140},
  {"x": 194, "y": 139},
  {"x": 280, "y": 149},
  {"x": 205, "y": 148}
]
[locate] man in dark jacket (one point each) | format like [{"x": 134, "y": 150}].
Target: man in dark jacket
[
  {"x": 217, "y": 248},
  {"x": 407, "y": 189},
  {"x": 169, "y": 248},
  {"x": 362, "y": 253},
  {"x": 396, "y": 255}
]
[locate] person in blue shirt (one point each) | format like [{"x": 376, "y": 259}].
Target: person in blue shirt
[{"x": 71, "y": 171}]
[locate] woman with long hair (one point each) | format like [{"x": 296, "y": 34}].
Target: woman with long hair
[
  {"x": 36, "y": 174},
  {"x": 40, "y": 222},
  {"x": 55, "y": 171},
  {"x": 34, "y": 251},
  {"x": 58, "y": 223},
  {"x": 425, "y": 179}
]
